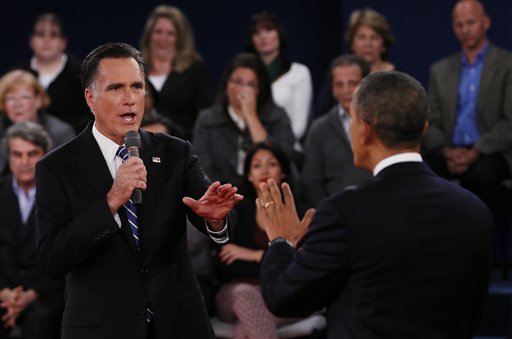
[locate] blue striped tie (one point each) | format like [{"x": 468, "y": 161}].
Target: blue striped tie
[{"x": 131, "y": 210}]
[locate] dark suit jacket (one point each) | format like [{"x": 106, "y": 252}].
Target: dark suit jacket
[
  {"x": 184, "y": 94},
  {"x": 108, "y": 281},
  {"x": 406, "y": 256},
  {"x": 494, "y": 103},
  {"x": 328, "y": 160},
  {"x": 18, "y": 261}
]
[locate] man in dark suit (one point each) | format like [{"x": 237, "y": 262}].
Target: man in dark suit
[
  {"x": 405, "y": 256},
  {"x": 328, "y": 160},
  {"x": 30, "y": 300},
  {"x": 128, "y": 273},
  {"x": 470, "y": 94}
]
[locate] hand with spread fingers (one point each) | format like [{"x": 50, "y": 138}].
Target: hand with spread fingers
[
  {"x": 280, "y": 218},
  {"x": 216, "y": 202}
]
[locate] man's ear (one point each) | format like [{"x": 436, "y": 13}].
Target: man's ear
[
  {"x": 425, "y": 127},
  {"x": 89, "y": 98},
  {"x": 368, "y": 132}
]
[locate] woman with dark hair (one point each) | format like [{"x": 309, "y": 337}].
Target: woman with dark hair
[
  {"x": 292, "y": 87},
  {"x": 245, "y": 115},
  {"x": 239, "y": 299},
  {"x": 176, "y": 72}
]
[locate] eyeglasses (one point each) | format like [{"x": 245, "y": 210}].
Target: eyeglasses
[
  {"x": 24, "y": 98},
  {"x": 47, "y": 34},
  {"x": 240, "y": 83}
]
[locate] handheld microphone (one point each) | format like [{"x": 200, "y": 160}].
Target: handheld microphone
[{"x": 133, "y": 144}]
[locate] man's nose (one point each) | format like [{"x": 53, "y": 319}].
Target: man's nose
[{"x": 129, "y": 97}]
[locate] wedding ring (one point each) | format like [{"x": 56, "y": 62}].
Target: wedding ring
[{"x": 267, "y": 204}]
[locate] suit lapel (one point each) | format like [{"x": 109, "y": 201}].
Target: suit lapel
[
  {"x": 488, "y": 70},
  {"x": 337, "y": 125},
  {"x": 95, "y": 171},
  {"x": 452, "y": 80},
  {"x": 154, "y": 162}
]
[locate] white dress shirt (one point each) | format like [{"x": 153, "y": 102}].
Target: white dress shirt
[{"x": 395, "y": 159}]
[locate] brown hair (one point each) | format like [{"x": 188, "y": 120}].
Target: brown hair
[{"x": 374, "y": 20}]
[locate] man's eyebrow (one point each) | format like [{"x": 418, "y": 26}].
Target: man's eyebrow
[{"x": 115, "y": 85}]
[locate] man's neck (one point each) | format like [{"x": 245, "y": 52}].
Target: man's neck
[{"x": 471, "y": 53}]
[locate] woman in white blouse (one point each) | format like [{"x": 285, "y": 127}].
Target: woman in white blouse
[{"x": 292, "y": 87}]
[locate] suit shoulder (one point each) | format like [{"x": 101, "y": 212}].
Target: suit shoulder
[{"x": 445, "y": 62}]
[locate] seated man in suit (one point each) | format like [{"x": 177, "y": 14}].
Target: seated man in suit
[
  {"x": 328, "y": 159},
  {"x": 405, "y": 256},
  {"x": 127, "y": 268},
  {"x": 470, "y": 132},
  {"x": 29, "y": 299}
]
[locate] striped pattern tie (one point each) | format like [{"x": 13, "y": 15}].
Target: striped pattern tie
[{"x": 131, "y": 210}]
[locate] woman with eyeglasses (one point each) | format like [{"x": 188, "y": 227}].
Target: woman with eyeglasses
[
  {"x": 22, "y": 98},
  {"x": 244, "y": 115}
]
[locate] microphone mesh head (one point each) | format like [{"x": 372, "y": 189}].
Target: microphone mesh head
[{"x": 132, "y": 139}]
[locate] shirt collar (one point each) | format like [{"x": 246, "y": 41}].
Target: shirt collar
[
  {"x": 479, "y": 57},
  {"x": 342, "y": 113},
  {"x": 395, "y": 159},
  {"x": 239, "y": 121},
  {"x": 108, "y": 147},
  {"x": 18, "y": 190}
]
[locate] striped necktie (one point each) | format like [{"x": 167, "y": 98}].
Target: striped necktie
[{"x": 131, "y": 210}]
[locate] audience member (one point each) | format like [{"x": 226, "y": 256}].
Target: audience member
[
  {"x": 29, "y": 299},
  {"x": 292, "y": 88},
  {"x": 239, "y": 299},
  {"x": 405, "y": 256},
  {"x": 57, "y": 71},
  {"x": 244, "y": 115},
  {"x": 328, "y": 158},
  {"x": 470, "y": 132},
  {"x": 178, "y": 76},
  {"x": 368, "y": 36},
  {"x": 23, "y": 98}
]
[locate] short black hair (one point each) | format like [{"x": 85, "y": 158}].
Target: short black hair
[
  {"x": 395, "y": 105},
  {"x": 112, "y": 50}
]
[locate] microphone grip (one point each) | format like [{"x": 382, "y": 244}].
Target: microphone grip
[
  {"x": 137, "y": 196},
  {"x": 137, "y": 193}
]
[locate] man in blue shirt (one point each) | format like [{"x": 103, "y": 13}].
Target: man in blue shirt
[
  {"x": 470, "y": 94},
  {"x": 29, "y": 299}
]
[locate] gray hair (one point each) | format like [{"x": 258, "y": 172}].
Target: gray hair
[{"x": 28, "y": 131}]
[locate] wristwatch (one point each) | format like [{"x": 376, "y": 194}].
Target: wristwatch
[{"x": 280, "y": 240}]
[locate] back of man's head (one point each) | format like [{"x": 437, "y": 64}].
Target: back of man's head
[{"x": 395, "y": 105}]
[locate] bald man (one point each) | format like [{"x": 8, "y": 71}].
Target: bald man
[{"x": 470, "y": 94}]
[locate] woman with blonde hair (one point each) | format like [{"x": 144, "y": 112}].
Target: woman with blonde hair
[
  {"x": 176, "y": 74},
  {"x": 22, "y": 98}
]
